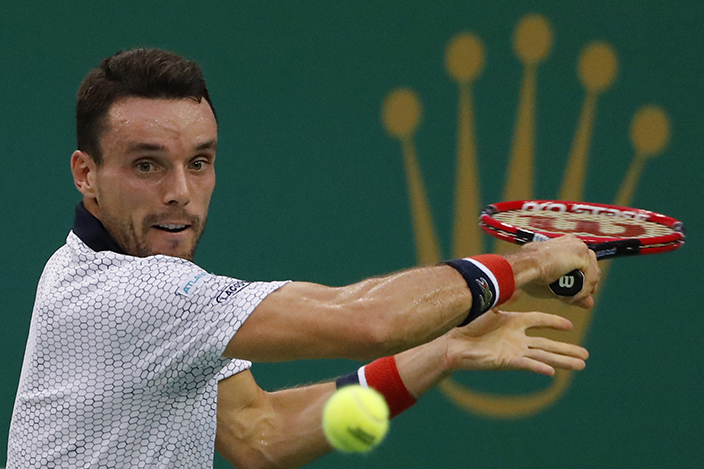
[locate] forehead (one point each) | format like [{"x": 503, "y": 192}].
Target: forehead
[{"x": 139, "y": 119}]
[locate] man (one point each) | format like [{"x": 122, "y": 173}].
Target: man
[{"x": 137, "y": 357}]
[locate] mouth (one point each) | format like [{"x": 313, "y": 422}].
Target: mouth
[{"x": 171, "y": 227}]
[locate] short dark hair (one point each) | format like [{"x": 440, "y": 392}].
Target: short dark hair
[{"x": 143, "y": 72}]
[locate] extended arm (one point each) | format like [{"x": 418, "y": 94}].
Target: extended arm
[
  {"x": 283, "y": 428},
  {"x": 385, "y": 315}
]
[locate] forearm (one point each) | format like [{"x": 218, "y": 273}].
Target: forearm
[
  {"x": 366, "y": 320},
  {"x": 422, "y": 367},
  {"x": 413, "y": 306}
]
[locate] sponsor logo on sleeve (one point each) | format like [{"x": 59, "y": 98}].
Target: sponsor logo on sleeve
[
  {"x": 231, "y": 290},
  {"x": 191, "y": 283}
]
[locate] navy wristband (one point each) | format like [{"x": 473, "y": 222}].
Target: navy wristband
[
  {"x": 482, "y": 284},
  {"x": 347, "y": 380}
]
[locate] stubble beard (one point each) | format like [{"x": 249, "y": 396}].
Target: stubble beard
[{"x": 134, "y": 243}]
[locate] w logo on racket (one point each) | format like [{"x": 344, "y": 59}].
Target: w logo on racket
[
  {"x": 566, "y": 282},
  {"x": 464, "y": 61}
]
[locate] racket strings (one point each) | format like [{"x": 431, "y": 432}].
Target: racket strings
[{"x": 583, "y": 224}]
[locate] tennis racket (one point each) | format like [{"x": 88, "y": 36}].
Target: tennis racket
[{"x": 609, "y": 230}]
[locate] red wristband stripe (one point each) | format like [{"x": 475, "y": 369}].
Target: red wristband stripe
[
  {"x": 503, "y": 272},
  {"x": 382, "y": 375}
]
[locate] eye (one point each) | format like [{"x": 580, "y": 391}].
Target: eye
[
  {"x": 198, "y": 165},
  {"x": 144, "y": 166}
]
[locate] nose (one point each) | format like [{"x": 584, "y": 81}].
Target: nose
[{"x": 177, "y": 191}]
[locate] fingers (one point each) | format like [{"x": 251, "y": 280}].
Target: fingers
[
  {"x": 555, "y": 360},
  {"x": 559, "y": 348},
  {"x": 536, "y": 366},
  {"x": 585, "y": 303},
  {"x": 544, "y": 363},
  {"x": 543, "y": 355},
  {"x": 576, "y": 252},
  {"x": 500, "y": 342},
  {"x": 592, "y": 275},
  {"x": 536, "y": 319},
  {"x": 537, "y": 265}
]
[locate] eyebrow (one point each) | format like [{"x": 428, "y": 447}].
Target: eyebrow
[
  {"x": 137, "y": 147},
  {"x": 209, "y": 145},
  {"x": 141, "y": 146}
]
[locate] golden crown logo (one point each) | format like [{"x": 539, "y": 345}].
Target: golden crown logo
[{"x": 464, "y": 60}]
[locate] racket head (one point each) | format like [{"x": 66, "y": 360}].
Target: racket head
[{"x": 610, "y": 230}]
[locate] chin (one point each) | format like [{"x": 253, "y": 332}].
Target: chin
[
  {"x": 188, "y": 254},
  {"x": 183, "y": 252}
]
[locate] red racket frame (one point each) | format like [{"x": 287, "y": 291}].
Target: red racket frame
[{"x": 607, "y": 246}]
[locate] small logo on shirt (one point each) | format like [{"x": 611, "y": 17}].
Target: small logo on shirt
[
  {"x": 191, "y": 284},
  {"x": 231, "y": 290}
]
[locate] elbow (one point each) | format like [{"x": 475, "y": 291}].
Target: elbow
[
  {"x": 242, "y": 438},
  {"x": 245, "y": 455}
]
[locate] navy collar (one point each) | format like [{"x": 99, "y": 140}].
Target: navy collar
[{"x": 92, "y": 232}]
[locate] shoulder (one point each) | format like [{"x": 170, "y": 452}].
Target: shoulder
[
  {"x": 164, "y": 278},
  {"x": 127, "y": 267}
]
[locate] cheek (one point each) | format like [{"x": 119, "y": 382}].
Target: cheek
[
  {"x": 122, "y": 198},
  {"x": 205, "y": 190}
]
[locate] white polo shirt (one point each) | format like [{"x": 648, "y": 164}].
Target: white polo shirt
[{"x": 122, "y": 361}]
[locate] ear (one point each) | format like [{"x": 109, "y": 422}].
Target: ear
[{"x": 84, "y": 172}]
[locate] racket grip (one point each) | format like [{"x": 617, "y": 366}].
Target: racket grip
[{"x": 569, "y": 284}]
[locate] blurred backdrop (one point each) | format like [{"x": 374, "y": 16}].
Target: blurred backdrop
[{"x": 324, "y": 110}]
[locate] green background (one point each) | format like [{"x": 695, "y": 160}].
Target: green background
[{"x": 310, "y": 187}]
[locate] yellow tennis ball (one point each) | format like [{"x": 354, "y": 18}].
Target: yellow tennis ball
[{"x": 355, "y": 419}]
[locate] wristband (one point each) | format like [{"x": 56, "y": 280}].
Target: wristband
[
  {"x": 382, "y": 375},
  {"x": 490, "y": 280}
]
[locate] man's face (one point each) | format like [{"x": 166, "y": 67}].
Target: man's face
[{"x": 153, "y": 188}]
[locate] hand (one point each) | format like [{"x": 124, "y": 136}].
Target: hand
[
  {"x": 536, "y": 265},
  {"x": 497, "y": 340}
]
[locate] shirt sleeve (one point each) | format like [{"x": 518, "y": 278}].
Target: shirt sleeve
[
  {"x": 235, "y": 366},
  {"x": 192, "y": 315}
]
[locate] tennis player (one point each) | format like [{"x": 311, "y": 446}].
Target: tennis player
[{"x": 137, "y": 357}]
